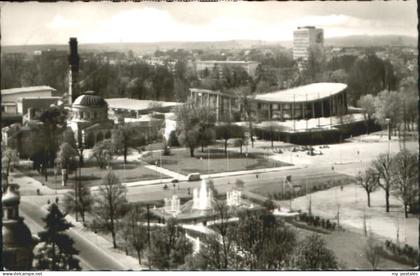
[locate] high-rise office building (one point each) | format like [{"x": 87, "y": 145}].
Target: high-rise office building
[{"x": 306, "y": 41}]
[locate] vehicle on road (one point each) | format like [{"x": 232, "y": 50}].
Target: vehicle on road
[{"x": 193, "y": 177}]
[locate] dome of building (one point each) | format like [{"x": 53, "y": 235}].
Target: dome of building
[
  {"x": 16, "y": 235},
  {"x": 90, "y": 100},
  {"x": 10, "y": 198}
]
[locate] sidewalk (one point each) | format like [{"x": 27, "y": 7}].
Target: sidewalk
[
  {"x": 29, "y": 185},
  {"x": 126, "y": 262}
]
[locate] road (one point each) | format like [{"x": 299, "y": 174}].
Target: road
[
  {"x": 91, "y": 256},
  {"x": 223, "y": 184}
]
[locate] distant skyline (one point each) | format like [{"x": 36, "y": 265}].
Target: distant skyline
[{"x": 101, "y": 22}]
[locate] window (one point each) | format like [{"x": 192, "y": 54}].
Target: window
[{"x": 81, "y": 115}]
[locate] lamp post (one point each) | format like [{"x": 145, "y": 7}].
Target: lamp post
[{"x": 388, "y": 121}]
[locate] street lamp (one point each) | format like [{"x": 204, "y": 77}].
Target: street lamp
[{"x": 388, "y": 121}]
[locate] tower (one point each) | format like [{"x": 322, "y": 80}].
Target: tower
[
  {"x": 308, "y": 45},
  {"x": 73, "y": 71},
  {"x": 18, "y": 242}
]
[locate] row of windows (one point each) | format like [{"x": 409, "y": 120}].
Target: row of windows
[{"x": 88, "y": 115}]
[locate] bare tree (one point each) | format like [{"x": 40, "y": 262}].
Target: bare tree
[
  {"x": 9, "y": 159},
  {"x": 369, "y": 182},
  {"x": 382, "y": 166},
  {"x": 110, "y": 203},
  {"x": 135, "y": 232},
  {"x": 372, "y": 252}
]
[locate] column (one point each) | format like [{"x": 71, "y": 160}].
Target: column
[
  {"x": 217, "y": 107},
  {"x": 230, "y": 107},
  {"x": 293, "y": 110},
  {"x": 331, "y": 106},
  {"x": 322, "y": 108},
  {"x": 270, "y": 112},
  {"x": 208, "y": 100},
  {"x": 313, "y": 109},
  {"x": 303, "y": 111},
  {"x": 281, "y": 111}
]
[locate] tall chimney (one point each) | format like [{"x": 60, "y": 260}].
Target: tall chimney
[{"x": 74, "y": 70}]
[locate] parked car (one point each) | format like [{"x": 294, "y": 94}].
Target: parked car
[{"x": 193, "y": 177}]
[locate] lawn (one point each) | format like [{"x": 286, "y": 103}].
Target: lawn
[
  {"x": 92, "y": 175},
  {"x": 212, "y": 161},
  {"x": 303, "y": 185}
]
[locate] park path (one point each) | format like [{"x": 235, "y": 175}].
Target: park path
[{"x": 166, "y": 172}]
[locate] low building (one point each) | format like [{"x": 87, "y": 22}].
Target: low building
[
  {"x": 210, "y": 65},
  {"x": 134, "y": 108},
  {"x": 12, "y": 95},
  {"x": 31, "y": 108},
  {"x": 224, "y": 105}
]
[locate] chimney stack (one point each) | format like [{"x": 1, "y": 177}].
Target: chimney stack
[{"x": 74, "y": 70}]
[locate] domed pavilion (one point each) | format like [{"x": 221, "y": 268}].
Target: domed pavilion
[{"x": 89, "y": 119}]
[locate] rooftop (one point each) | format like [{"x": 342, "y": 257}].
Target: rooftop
[
  {"x": 134, "y": 104},
  {"x": 305, "y": 93},
  {"x": 227, "y": 61},
  {"x": 26, "y": 89}
]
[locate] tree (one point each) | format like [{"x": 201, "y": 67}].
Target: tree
[
  {"x": 84, "y": 203},
  {"x": 9, "y": 160},
  {"x": 369, "y": 182},
  {"x": 388, "y": 106},
  {"x": 367, "y": 103},
  {"x": 103, "y": 151},
  {"x": 263, "y": 242},
  {"x": 169, "y": 246},
  {"x": 66, "y": 158},
  {"x": 382, "y": 167},
  {"x": 110, "y": 203},
  {"x": 56, "y": 251},
  {"x": 68, "y": 137},
  {"x": 135, "y": 232},
  {"x": 125, "y": 137},
  {"x": 227, "y": 131},
  {"x": 312, "y": 254},
  {"x": 194, "y": 125},
  {"x": 372, "y": 252},
  {"x": 404, "y": 174}
]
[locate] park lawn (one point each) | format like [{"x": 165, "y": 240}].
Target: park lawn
[
  {"x": 322, "y": 181},
  {"x": 211, "y": 162},
  {"x": 348, "y": 247},
  {"x": 92, "y": 175}
]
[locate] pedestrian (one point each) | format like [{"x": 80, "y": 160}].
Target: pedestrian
[{"x": 37, "y": 192}]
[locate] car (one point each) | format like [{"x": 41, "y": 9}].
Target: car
[
  {"x": 193, "y": 177},
  {"x": 174, "y": 180}
]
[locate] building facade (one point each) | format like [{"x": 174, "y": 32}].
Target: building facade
[
  {"x": 316, "y": 100},
  {"x": 213, "y": 65},
  {"x": 308, "y": 41},
  {"x": 89, "y": 119},
  {"x": 224, "y": 105}
]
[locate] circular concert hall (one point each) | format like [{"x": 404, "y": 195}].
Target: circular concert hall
[{"x": 314, "y": 100}]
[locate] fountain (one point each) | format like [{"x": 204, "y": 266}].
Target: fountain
[
  {"x": 234, "y": 198},
  {"x": 202, "y": 197}
]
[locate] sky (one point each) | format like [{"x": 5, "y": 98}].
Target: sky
[{"x": 99, "y": 22}]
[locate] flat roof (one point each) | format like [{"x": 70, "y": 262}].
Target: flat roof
[
  {"x": 134, "y": 104},
  {"x": 26, "y": 89},
  {"x": 305, "y": 93},
  {"x": 227, "y": 61}
]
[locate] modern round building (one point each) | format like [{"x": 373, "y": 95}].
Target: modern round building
[{"x": 304, "y": 102}]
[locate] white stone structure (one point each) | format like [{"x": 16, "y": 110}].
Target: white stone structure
[
  {"x": 202, "y": 197},
  {"x": 234, "y": 198},
  {"x": 173, "y": 205}
]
